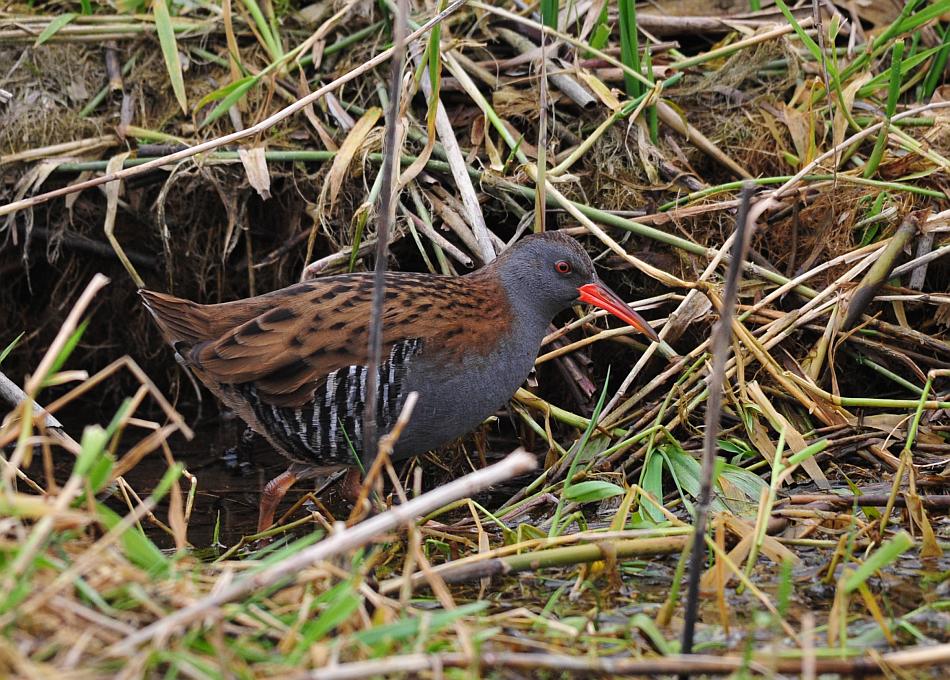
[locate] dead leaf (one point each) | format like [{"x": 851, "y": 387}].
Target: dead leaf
[
  {"x": 841, "y": 121},
  {"x": 303, "y": 89},
  {"x": 599, "y": 88},
  {"x": 343, "y": 158},
  {"x": 929, "y": 547},
  {"x": 770, "y": 547},
  {"x": 343, "y": 119},
  {"x": 796, "y": 442},
  {"x": 255, "y": 165},
  {"x": 798, "y": 128}
]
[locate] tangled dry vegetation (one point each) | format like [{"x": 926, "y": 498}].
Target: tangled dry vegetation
[{"x": 830, "y": 514}]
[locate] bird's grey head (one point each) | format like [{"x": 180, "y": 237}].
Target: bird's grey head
[
  {"x": 547, "y": 270},
  {"x": 546, "y": 273}
]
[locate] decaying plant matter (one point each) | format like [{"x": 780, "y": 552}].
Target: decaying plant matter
[{"x": 220, "y": 150}]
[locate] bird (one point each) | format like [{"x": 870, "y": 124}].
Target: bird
[{"x": 293, "y": 363}]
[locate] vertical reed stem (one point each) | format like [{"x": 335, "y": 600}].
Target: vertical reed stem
[
  {"x": 721, "y": 336},
  {"x": 387, "y": 214}
]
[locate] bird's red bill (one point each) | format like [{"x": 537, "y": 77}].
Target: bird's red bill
[{"x": 599, "y": 295}]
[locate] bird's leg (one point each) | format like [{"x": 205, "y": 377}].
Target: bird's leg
[
  {"x": 274, "y": 493},
  {"x": 351, "y": 485}
]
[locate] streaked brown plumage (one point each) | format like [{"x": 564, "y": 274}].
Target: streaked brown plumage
[{"x": 286, "y": 342}]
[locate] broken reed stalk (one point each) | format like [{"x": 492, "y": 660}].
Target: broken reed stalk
[
  {"x": 12, "y": 394},
  {"x": 387, "y": 215},
  {"x": 566, "y": 556},
  {"x": 721, "y": 336},
  {"x": 346, "y": 539},
  {"x": 880, "y": 272},
  {"x": 923, "y": 656}
]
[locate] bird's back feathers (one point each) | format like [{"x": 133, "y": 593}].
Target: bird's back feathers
[{"x": 287, "y": 342}]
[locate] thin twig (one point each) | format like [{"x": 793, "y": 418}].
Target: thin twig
[
  {"x": 387, "y": 215},
  {"x": 721, "y": 337}
]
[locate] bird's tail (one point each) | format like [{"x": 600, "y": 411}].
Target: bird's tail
[{"x": 183, "y": 323}]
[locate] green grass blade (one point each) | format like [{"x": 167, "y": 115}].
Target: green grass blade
[
  {"x": 264, "y": 28},
  {"x": 139, "y": 549},
  {"x": 577, "y": 451},
  {"x": 343, "y": 602},
  {"x": 653, "y": 122},
  {"x": 600, "y": 36},
  {"x": 893, "y": 93},
  {"x": 169, "y": 45},
  {"x": 91, "y": 446},
  {"x": 549, "y": 10},
  {"x": 601, "y": 33},
  {"x": 935, "y": 74},
  {"x": 401, "y": 630},
  {"x": 67, "y": 350},
  {"x": 5, "y": 352},
  {"x": 136, "y": 546},
  {"x": 880, "y": 558},
  {"x": 236, "y": 90},
  {"x": 904, "y": 22},
  {"x": 906, "y": 66},
  {"x": 630, "y": 46},
  {"x": 811, "y": 450},
  {"x": 907, "y": 22},
  {"x": 223, "y": 92},
  {"x": 53, "y": 27},
  {"x": 592, "y": 490},
  {"x": 651, "y": 480}
]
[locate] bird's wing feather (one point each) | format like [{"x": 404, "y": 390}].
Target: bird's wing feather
[
  {"x": 287, "y": 342},
  {"x": 311, "y": 331}
]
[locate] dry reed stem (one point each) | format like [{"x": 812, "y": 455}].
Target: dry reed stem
[
  {"x": 11, "y": 393},
  {"x": 933, "y": 656},
  {"x": 463, "y": 182},
  {"x": 392, "y": 146},
  {"x": 84, "y": 145}
]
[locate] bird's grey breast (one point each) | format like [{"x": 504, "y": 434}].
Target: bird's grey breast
[{"x": 456, "y": 395}]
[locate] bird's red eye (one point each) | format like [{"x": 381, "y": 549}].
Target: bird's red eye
[{"x": 562, "y": 267}]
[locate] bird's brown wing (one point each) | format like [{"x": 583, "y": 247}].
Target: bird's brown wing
[
  {"x": 308, "y": 332},
  {"x": 184, "y": 323},
  {"x": 287, "y": 342}
]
